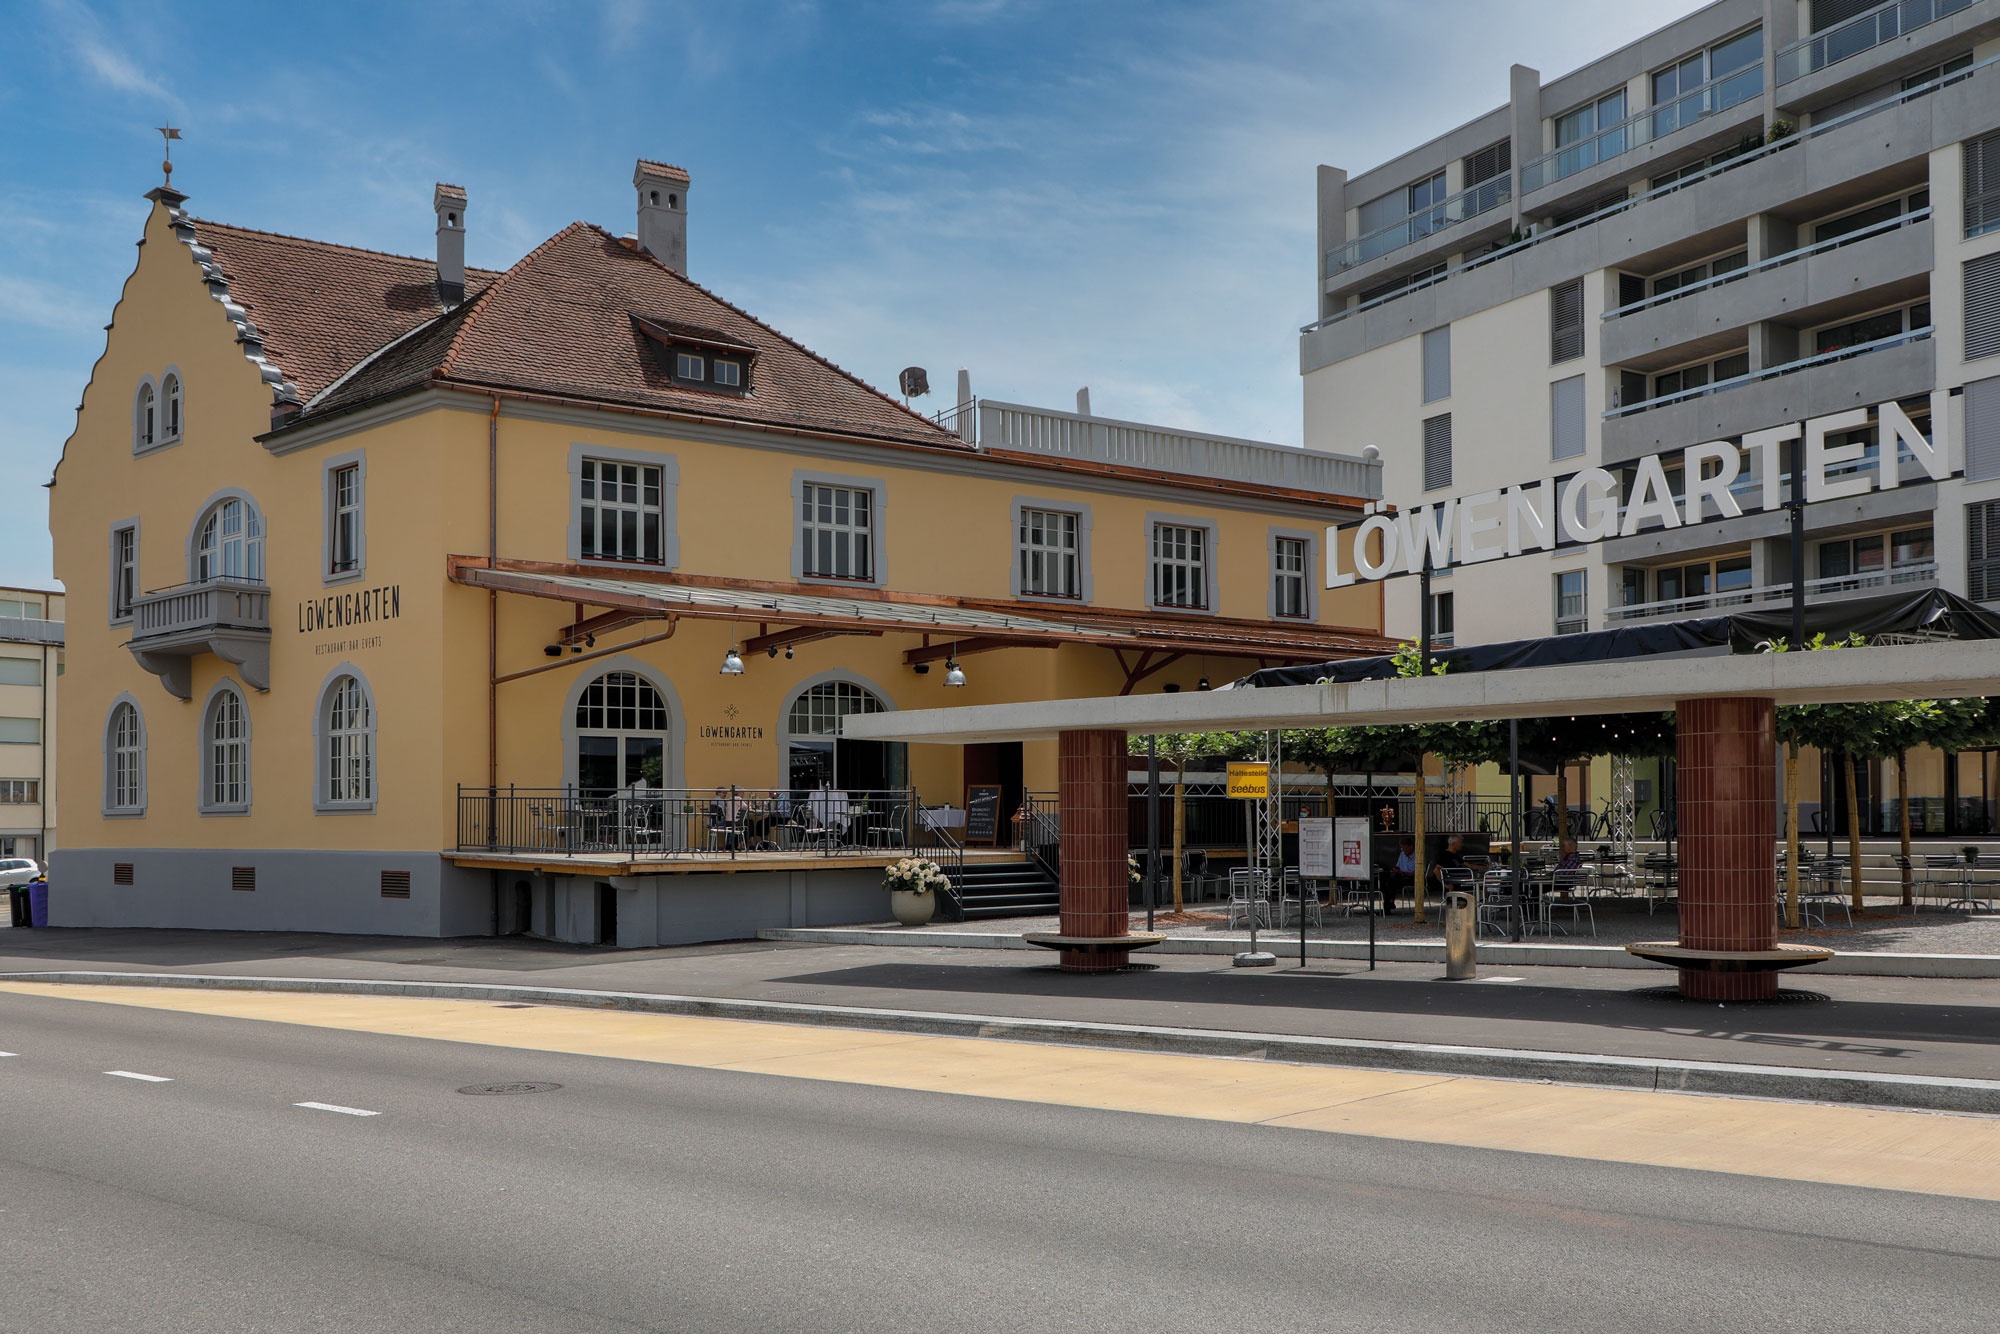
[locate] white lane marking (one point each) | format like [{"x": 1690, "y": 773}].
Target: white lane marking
[
  {"x": 134, "y": 1074},
  {"x": 336, "y": 1107},
  {"x": 1499, "y": 979},
  {"x": 8, "y": 1053}
]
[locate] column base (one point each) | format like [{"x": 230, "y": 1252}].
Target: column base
[{"x": 1092, "y": 954}]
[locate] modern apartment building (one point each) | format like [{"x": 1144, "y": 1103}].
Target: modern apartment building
[
  {"x": 31, "y": 660},
  {"x": 1767, "y": 212}
]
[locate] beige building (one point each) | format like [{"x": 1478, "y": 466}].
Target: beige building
[{"x": 31, "y": 662}]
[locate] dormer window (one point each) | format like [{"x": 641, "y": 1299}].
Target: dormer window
[{"x": 701, "y": 358}]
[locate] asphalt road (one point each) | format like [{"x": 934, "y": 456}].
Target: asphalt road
[{"x": 642, "y": 1196}]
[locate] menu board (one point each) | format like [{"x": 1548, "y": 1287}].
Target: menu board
[
  {"x": 1316, "y": 848},
  {"x": 982, "y": 815}
]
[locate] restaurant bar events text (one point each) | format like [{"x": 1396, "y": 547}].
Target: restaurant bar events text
[{"x": 1592, "y": 504}]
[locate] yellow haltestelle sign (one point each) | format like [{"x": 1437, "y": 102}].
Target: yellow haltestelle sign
[{"x": 1249, "y": 780}]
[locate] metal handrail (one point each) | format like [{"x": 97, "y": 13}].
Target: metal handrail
[
  {"x": 1041, "y": 833},
  {"x": 1924, "y": 572},
  {"x": 1470, "y": 202},
  {"x": 935, "y": 843},
  {"x": 1884, "y": 23},
  {"x": 1642, "y": 127},
  {"x": 1742, "y": 159},
  {"x": 1776, "y": 261},
  {"x": 1771, "y": 372},
  {"x": 679, "y": 823}
]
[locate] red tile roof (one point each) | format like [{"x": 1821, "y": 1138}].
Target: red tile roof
[{"x": 667, "y": 169}]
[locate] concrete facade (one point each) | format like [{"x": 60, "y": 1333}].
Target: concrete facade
[{"x": 31, "y": 665}]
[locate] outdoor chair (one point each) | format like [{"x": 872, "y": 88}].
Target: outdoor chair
[
  {"x": 1564, "y": 895},
  {"x": 1247, "y": 896},
  {"x": 1496, "y": 911},
  {"x": 1195, "y": 873}
]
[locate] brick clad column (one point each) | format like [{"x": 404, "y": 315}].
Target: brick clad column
[
  {"x": 1090, "y": 793},
  {"x": 1728, "y": 821}
]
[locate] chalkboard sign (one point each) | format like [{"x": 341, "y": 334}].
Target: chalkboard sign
[{"x": 982, "y": 815}]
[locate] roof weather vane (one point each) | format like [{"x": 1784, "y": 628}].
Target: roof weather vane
[{"x": 169, "y": 134}]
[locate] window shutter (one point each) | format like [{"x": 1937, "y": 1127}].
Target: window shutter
[
  {"x": 1982, "y": 184},
  {"x": 1437, "y": 452},
  {"x": 1566, "y": 321},
  {"x": 1826, "y": 13},
  {"x": 1982, "y": 551},
  {"x": 1437, "y": 364},
  {"x": 1376, "y": 214},
  {"x": 1982, "y": 306},
  {"x": 1631, "y": 289},
  {"x": 1982, "y": 430},
  {"x": 1566, "y": 418},
  {"x": 1490, "y": 161}
]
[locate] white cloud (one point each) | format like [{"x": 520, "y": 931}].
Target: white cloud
[{"x": 99, "y": 55}]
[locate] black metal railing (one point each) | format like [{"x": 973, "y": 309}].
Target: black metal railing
[
  {"x": 1041, "y": 832},
  {"x": 935, "y": 842},
  {"x": 686, "y": 822}
]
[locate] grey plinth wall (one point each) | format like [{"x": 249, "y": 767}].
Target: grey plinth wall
[{"x": 687, "y": 909}]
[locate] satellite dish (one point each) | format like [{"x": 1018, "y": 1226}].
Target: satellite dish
[{"x": 915, "y": 382}]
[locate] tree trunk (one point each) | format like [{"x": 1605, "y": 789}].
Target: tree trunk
[
  {"x": 1792, "y": 836},
  {"x": 1562, "y": 801},
  {"x": 1417, "y": 826},
  {"x": 1180, "y": 828},
  {"x": 1903, "y": 800},
  {"x": 1853, "y": 830}
]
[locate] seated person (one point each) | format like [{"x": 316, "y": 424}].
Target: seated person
[
  {"x": 1570, "y": 860},
  {"x": 1402, "y": 876},
  {"x": 1451, "y": 858}
]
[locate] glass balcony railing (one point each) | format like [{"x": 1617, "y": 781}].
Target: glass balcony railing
[
  {"x": 1771, "y": 372},
  {"x": 1481, "y": 198},
  {"x": 1653, "y": 123},
  {"x": 1861, "y": 33}
]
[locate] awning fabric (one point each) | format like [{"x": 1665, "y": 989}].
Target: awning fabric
[{"x": 1932, "y": 613}]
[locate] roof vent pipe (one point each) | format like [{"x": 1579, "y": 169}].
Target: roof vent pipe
[
  {"x": 663, "y": 192},
  {"x": 449, "y": 201}
]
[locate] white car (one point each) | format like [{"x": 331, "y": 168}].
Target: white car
[{"x": 18, "y": 870}]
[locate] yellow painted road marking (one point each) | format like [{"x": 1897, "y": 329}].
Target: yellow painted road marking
[{"x": 1849, "y": 1146}]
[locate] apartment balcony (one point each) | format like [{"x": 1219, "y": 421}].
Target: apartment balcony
[
  {"x": 1722, "y": 112},
  {"x": 1435, "y": 229},
  {"x": 1852, "y": 377},
  {"x": 230, "y": 618},
  {"x": 1106, "y": 441},
  {"x": 1886, "y": 262},
  {"x": 1908, "y": 578},
  {"x": 1874, "y": 48}
]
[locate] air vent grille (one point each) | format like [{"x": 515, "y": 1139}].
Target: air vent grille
[
  {"x": 243, "y": 877},
  {"x": 121, "y": 873},
  {"x": 395, "y": 884}
]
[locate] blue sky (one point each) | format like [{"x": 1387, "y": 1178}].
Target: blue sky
[{"x": 1049, "y": 194}]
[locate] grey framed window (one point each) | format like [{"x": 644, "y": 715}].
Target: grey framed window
[
  {"x": 1566, "y": 433},
  {"x": 1982, "y": 551},
  {"x": 346, "y": 517},
  {"x": 1982, "y": 185},
  {"x": 346, "y": 731},
  {"x": 124, "y": 570},
  {"x": 1444, "y": 621},
  {"x": 1291, "y": 559},
  {"x": 1437, "y": 452},
  {"x": 1049, "y": 548},
  {"x": 1566, "y": 321},
  {"x": 621, "y": 511},
  {"x": 1437, "y": 364},
  {"x": 225, "y": 753},
  {"x": 20, "y": 791},
  {"x": 1982, "y": 307},
  {"x": 1180, "y": 566},
  {"x": 837, "y": 531},
  {"x": 145, "y": 417},
  {"x": 125, "y": 760},
  {"x": 230, "y": 543},
  {"x": 1572, "y": 602},
  {"x": 170, "y": 407}
]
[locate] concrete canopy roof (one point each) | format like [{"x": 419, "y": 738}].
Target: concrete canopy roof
[{"x": 1633, "y": 685}]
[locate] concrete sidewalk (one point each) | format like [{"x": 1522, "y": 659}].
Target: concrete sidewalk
[{"x": 1895, "y": 1026}]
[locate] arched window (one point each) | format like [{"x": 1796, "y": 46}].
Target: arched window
[
  {"x": 347, "y": 722},
  {"x": 816, "y": 757},
  {"x": 230, "y": 544},
  {"x": 144, "y": 425},
  {"x": 225, "y": 777},
  {"x": 125, "y": 761},
  {"x": 621, "y": 726},
  {"x": 170, "y": 407}
]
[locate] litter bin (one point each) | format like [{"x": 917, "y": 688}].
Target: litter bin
[
  {"x": 38, "y": 902},
  {"x": 17, "y": 903},
  {"x": 1459, "y": 951}
]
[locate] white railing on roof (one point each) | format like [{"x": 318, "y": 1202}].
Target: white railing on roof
[
  {"x": 1543, "y": 235},
  {"x": 1106, "y": 440},
  {"x": 1863, "y": 32}
]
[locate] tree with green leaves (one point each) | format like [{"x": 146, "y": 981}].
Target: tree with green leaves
[
  {"x": 1946, "y": 725},
  {"x": 1854, "y": 730},
  {"x": 1179, "y": 748}
]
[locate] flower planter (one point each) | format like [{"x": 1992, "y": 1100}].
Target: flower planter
[{"x": 912, "y": 908}]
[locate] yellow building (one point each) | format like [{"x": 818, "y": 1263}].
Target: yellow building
[{"x": 422, "y": 582}]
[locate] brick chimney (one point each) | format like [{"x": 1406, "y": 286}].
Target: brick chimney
[
  {"x": 449, "y": 201},
  {"x": 663, "y": 192}
]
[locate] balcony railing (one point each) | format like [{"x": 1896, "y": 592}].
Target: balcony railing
[
  {"x": 1106, "y": 440},
  {"x": 1539, "y": 235},
  {"x": 1469, "y": 203},
  {"x": 682, "y": 823},
  {"x": 1775, "y": 262},
  {"x": 1705, "y": 604},
  {"x": 1861, "y": 33},
  {"x": 1771, "y": 372},
  {"x": 190, "y": 608},
  {"x": 1653, "y": 123}
]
